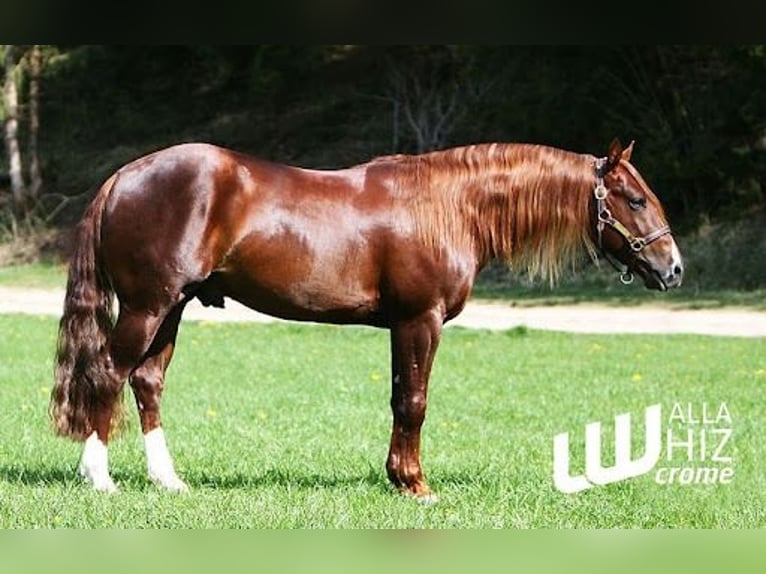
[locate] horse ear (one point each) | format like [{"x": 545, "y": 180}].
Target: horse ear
[
  {"x": 628, "y": 151},
  {"x": 613, "y": 155}
]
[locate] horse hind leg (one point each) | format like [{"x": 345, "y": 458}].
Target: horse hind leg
[
  {"x": 147, "y": 382},
  {"x": 129, "y": 341}
]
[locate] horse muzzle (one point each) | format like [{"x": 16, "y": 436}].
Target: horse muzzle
[{"x": 660, "y": 278}]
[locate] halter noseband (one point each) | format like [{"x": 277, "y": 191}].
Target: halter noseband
[{"x": 605, "y": 217}]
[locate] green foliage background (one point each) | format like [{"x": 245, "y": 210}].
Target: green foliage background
[{"x": 697, "y": 113}]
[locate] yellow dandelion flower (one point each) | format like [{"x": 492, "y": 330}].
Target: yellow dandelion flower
[{"x": 636, "y": 377}]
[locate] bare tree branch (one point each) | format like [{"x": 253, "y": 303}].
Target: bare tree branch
[{"x": 433, "y": 91}]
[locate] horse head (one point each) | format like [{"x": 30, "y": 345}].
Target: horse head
[{"x": 630, "y": 223}]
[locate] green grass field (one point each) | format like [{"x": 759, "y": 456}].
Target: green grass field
[
  {"x": 41, "y": 275},
  {"x": 277, "y": 426}
]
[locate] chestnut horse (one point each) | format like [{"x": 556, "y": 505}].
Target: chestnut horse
[{"x": 394, "y": 243}]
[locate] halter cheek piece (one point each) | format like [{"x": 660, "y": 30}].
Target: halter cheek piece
[{"x": 605, "y": 217}]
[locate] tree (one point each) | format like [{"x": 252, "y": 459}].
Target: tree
[
  {"x": 11, "y": 130},
  {"x": 433, "y": 88},
  {"x": 35, "y": 61},
  {"x": 17, "y": 60}
]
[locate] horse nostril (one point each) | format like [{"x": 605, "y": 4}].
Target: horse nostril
[{"x": 678, "y": 270}]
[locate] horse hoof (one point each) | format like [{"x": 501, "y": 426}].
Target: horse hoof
[
  {"x": 424, "y": 497},
  {"x": 179, "y": 486},
  {"x": 108, "y": 488},
  {"x": 427, "y": 499},
  {"x": 170, "y": 483},
  {"x": 100, "y": 483}
]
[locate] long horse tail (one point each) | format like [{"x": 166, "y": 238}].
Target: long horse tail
[{"x": 82, "y": 383}]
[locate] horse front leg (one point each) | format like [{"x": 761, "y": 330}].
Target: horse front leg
[{"x": 413, "y": 346}]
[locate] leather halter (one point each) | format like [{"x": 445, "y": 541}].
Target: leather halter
[{"x": 605, "y": 217}]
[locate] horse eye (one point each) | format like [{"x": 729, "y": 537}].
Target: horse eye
[{"x": 637, "y": 203}]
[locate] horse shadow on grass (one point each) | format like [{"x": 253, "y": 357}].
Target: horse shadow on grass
[
  {"x": 281, "y": 477},
  {"x": 50, "y": 475},
  {"x": 374, "y": 479},
  {"x": 38, "y": 475}
]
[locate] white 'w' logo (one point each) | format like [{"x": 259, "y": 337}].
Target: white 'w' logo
[{"x": 624, "y": 467}]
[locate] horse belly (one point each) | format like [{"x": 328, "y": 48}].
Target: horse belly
[{"x": 290, "y": 279}]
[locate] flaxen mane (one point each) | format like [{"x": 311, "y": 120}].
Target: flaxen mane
[{"x": 526, "y": 204}]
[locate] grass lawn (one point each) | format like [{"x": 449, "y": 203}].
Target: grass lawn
[
  {"x": 602, "y": 285},
  {"x": 285, "y": 426},
  {"x": 44, "y": 275}
]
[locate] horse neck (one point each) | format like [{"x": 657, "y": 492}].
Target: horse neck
[{"x": 528, "y": 205}]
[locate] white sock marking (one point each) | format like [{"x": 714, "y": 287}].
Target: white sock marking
[
  {"x": 159, "y": 462},
  {"x": 94, "y": 464}
]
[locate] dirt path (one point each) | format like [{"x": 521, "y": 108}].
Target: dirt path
[{"x": 577, "y": 318}]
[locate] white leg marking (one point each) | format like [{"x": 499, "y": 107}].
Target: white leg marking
[
  {"x": 160, "y": 464},
  {"x": 94, "y": 465}
]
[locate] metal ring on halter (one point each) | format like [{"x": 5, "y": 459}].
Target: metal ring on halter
[
  {"x": 626, "y": 277},
  {"x": 601, "y": 191},
  {"x": 637, "y": 244},
  {"x": 605, "y": 215}
]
